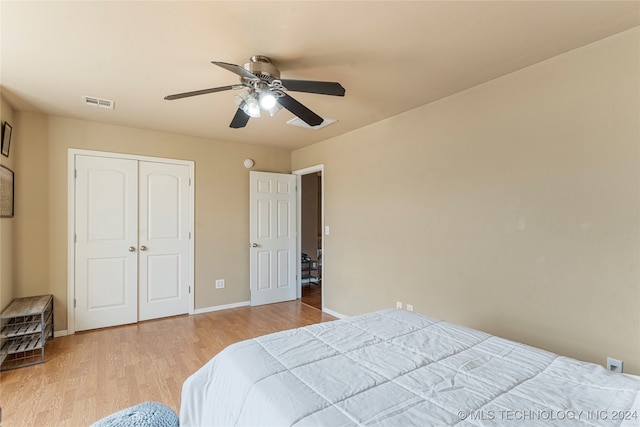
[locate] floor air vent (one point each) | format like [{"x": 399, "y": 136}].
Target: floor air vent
[{"x": 97, "y": 102}]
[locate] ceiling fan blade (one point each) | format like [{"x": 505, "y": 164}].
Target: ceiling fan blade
[
  {"x": 237, "y": 70},
  {"x": 202, "y": 92},
  {"x": 310, "y": 86},
  {"x": 305, "y": 114},
  {"x": 240, "y": 119}
]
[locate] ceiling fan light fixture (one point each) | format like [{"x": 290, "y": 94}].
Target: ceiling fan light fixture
[
  {"x": 251, "y": 108},
  {"x": 267, "y": 100},
  {"x": 273, "y": 110},
  {"x": 248, "y": 103}
]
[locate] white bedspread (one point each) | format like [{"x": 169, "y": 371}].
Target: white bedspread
[{"x": 397, "y": 368}]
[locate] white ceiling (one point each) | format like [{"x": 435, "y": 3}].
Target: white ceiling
[{"x": 390, "y": 56}]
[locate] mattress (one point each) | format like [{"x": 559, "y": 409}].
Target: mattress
[{"x": 398, "y": 368}]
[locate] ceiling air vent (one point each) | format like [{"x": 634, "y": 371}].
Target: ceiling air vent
[
  {"x": 298, "y": 122},
  {"x": 97, "y": 102}
]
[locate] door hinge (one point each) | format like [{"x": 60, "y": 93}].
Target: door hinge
[
  {"x": 75, "y": 173},
  {"x": 75, "y": 238},
  {"x": 74, "y": 303},
  {"x": 189, "y": 235},
  {"x": 189, "y": 182},
  {"x": 189, "y": 289}
]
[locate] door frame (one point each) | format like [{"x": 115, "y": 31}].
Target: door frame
[
  {"x": 299, "y": 173},
  {"x": 71, "y": 221}
]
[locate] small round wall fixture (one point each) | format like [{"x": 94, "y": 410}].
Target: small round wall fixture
[{"x": 248, "y": 163}]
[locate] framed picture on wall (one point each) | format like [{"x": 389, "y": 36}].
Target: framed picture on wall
[
  {"x": 6, "y": 192},
  {"x": 6, "y": 138}
]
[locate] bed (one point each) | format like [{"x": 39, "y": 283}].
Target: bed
[{"x": 399, "y": 368}]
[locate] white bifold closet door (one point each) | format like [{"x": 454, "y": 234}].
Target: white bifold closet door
[{"x": 132, "y": 251}]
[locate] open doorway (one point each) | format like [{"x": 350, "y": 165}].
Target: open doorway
[{"x": 311, "y": 238}]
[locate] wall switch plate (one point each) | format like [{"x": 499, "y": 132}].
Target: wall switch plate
[
  {"x": 409, "y": 307},
  {"x": 219, "y": 283},
  {"x": 614, "y": 365},
  {"x": 326, "y": 230},
  {"x": 398, "y": 304}
]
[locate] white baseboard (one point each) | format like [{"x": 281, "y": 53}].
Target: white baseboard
[
  {"x": 221, "y": 307},
  {"x": 333, "y": 313},
  {"x": 64, "y": 332}
]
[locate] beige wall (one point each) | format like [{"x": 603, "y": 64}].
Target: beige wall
[
  {"x": 512, "y": 207},
  {"x": 7, "y": 291},
  {"x": 221, "y": 203},
  {"x": 32, "y": 242}
]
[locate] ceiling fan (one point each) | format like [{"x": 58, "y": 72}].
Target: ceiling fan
[{"x": 265, "y": 90}]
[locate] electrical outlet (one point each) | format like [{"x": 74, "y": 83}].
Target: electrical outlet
[
  {"x": 409, "y": 307},
  {"x": 219, "y": 283},
  {"x": 614, "y": 365},
  {"x": 398, "y": 304}
]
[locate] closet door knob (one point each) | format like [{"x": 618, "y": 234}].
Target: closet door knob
[
  {"x": 254, "y": 245},
  {"x": 143, "y": 248},
  {"x": 132, "y": 249}
]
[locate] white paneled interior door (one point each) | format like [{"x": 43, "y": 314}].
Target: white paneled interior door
[
  {"x": 164, "y": 240},
  {"x": 133, "y": 249},
  {"x": 272, "y": 232},
  {"x": 106, "y": 241}
]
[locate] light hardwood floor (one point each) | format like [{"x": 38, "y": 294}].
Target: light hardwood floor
[
  {"x": 90, "y": 375},
  {"x": 312, "y": 295}
]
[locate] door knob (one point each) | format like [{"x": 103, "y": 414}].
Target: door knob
[
  {"x": 132, "y": 249},
  {"x": 143, "y": 248},
  {"x": 254, "y": 245}
]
